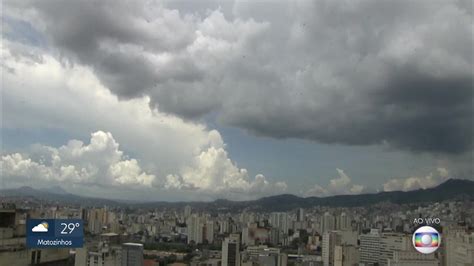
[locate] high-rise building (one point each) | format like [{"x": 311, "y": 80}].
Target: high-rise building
[
  {"x": 280, "y": 220},
  {"x": 231, "y": 250},
  {"x": 391, "y": 242},
  {"x": 95, "y": 221},
  {"x": 377, "y": 247},
  {"x": 343, "y": 222},
  {"x": 274, "y": 235},
  {"x": 83, "y": 214},
  {"x": 132, "y": 254},
  {"x": 370, "y": 247},
  {"x": 195, "y": 229},
  {"x": 224, "y": 227},
  {"x": 330, "y": 240},
  {"x": 209, "y": 231},
  {"x": 346, "y": 255},
  {"x": 328, "y": 223},
  {"x": 187, "y": 211},
  {"x": 300, "y": 215}
]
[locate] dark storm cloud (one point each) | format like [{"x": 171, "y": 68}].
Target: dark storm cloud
[
  {"x": 410, "y": 110},
  {"x": 117, "y": 38},
  {"x": 358, "y": 73},
  {"x": 434, "y": 113}
]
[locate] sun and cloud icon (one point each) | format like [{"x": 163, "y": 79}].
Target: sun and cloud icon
[{"x": 40, "y": 228}]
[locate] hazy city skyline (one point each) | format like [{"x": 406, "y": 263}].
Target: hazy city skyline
[{"x": 188, "y": 234}]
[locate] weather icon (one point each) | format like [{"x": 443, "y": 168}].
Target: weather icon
[{"x": 40, "y": 228}]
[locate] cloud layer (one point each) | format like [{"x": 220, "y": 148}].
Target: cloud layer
[
  {"x": 169, "y": 154},
  {"x": 358, "y": 73},
  {"x": 391, "y": 73}
]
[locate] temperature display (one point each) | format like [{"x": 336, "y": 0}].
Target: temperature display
[
  {"x": 54, "y": 233},
  {"x": 68, "y": 228}
]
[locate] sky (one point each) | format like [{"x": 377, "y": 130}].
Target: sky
[{"x": 200, "y": 100}]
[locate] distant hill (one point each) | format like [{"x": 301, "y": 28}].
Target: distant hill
[
  {"x": 55, "y": 195},
  {"x": 56, "y": 190},
  {"x": 451, "y": 189}
]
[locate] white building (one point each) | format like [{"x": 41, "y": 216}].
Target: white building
[
  {"x": 280, "y": 220},
  {"x": 391, "y": 242},
  {"x": 377, "y": 247},
  {"x": 195, "y": 229},
  {"x": 370, "y": 247},
  {"x": 210, "y": 231}
]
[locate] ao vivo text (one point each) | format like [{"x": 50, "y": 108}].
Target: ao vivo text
[{"x": 428, "y": 220}]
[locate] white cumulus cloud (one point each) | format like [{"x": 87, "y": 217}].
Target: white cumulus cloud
[
  {"x": 341, "y": 185},
  {"x": 99, "y": 163},
  {"x": 212, "y": 171},
  {"x": 102, "y": 163},
  {"x": 417, "y": 182}
]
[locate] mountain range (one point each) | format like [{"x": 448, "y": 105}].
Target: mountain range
[{"x": 451, "y": 189}]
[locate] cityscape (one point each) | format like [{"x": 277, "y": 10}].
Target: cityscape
[{"x": 180, "y": 234}]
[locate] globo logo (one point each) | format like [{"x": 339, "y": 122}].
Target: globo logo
[{"x": 426, "y": 239}]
